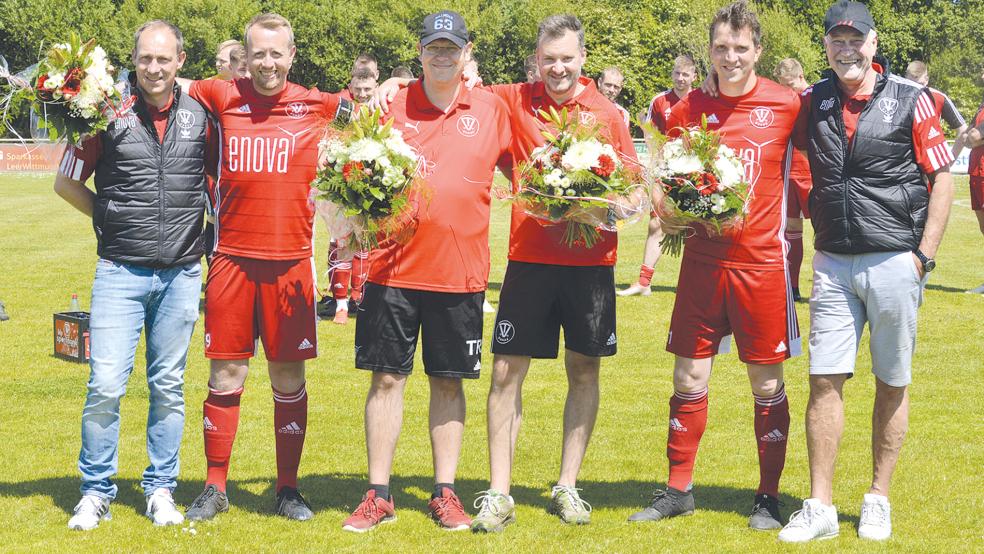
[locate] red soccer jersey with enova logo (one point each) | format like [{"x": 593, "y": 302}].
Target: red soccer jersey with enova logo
[
  {"x": 269, "y": 158},
  {"x": 458, "y": 151},
  {"x": 659, "y": 109},
  {"x": 535, "y": 241},
  {"x": 758, "y": 127}
]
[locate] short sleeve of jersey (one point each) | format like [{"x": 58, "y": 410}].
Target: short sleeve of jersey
[
  {"x": 209, "y": 93},
  {"x": 78, "y": 163},
  {"x": 800, "y": 131},
  {"x": 679, "y": 117},
  {"x": 928, "y": 140},
  {"x": 947, "y": 110}
]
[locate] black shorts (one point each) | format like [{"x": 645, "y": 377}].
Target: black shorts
[
  {"x": 390, "y": 319},
  {"x": 538, "y": 299}
]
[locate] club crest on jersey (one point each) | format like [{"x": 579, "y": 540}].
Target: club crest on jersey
[
  {"x": 761, "y": 117},
  {"x": 888, "y": 107},
  {"x": 504, "y": 331},
  {"x": 185, "y": 121},
  {"x": 468, "y": 125},
  {"x": 826, "y": 104},
  {"x": 587, "y": 118},
  {"x": 297, "y": 110}
]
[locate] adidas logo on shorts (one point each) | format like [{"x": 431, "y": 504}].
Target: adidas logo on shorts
[
  {"x": 773, "y": 436},
  {"x": 611, "y": 340},
  {"x": 244, "y": 109},
  {"x": 208, "y": 425},
  {"x": 478, "y": 366},
  {"x": 305, "y": 345},
  {"x": 291, "y": 428},
  {"x": 675, "y": 425},
  {"x": 781, "y": 348},
  {"x": 713, "y": 118}
]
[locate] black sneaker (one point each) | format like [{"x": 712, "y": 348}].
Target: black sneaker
[
  {"x": 325, "y": 308},
  {"x": 796, "y": 295},
  {"x": 668, "y": 503},
  {"x": 765, "y": 513},
  {"x": 210, "y": 503},
  {"x": 292, "y": 505}
]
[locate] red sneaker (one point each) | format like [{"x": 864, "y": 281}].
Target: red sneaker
[
  {"x": 448, "y": 512},
  {"x": 369, "y": 513}
]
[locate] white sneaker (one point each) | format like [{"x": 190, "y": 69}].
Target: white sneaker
[
  {"x": 978, "y": 290},
  {"x": 89, "y": 512},
  {"x": 635, "y": 290},
  {"x": 487, "y": 308},
  {"x": 814, "y": 521},
  {"x": 876, "y": 518},
  {"x": 161, "y": 509}
]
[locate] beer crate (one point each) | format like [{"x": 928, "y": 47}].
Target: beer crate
[{"x": 71, "y": 336}]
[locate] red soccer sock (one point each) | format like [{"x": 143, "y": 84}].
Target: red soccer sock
[
  {"x": 340, "y": 276},
  {"x": 220, "y": 420},
  {"x": 771, "y": 431},
  {"x": 290, "y": 423},
  {"x": 795, "y": 256},
  {"x": 688, "y": 418},
  {"x": 646, "y": 275},
  {"x": 360, "y": 272}
]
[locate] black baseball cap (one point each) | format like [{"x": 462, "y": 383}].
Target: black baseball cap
[
  {"x": 444, "y": 24},
  {"x": 850, "y": 14}
]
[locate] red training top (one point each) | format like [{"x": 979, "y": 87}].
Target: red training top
[{"x": 659, "y": 109}]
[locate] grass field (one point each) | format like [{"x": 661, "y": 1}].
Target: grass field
[{"x": 48, "y": 252}]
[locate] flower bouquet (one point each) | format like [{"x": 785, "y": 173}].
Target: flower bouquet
[
  {"x": 577, "y": 178},
  {"x": 364, "y": 189},
  {"x": 73, "y": 86},
  {"x": 703, "y": 184}
]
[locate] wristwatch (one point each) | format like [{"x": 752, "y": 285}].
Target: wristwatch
[{"x": 929, "y": 264}]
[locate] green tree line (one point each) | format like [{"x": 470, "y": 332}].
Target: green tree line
[{"x": 640, "y": 37}]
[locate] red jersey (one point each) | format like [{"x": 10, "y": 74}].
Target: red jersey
[
  {"x": 758, "y": 126},
  {"x": 269, "y": 158},
  {"x": 530, "y": 239},
  {"x": 976, "y": 165},
  {"x": 946, "y": 109},
  {"x": 659, "y": 109},
  {"x": 458, "y": 151}
]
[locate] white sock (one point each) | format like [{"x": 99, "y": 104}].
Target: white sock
[{"x": 341, "y": 304}]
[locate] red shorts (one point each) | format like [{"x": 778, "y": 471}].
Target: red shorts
[
  {"x": 976, "y": 193},
  {"x": 755, "y": 306},
  {"x": 798, "y": 197},
  {"x": 269, "y": 299}
]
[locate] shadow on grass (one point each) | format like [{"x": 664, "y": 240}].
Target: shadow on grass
[
  {"x": 942, "y": 288},
  {"x": 343, "y": 491}
]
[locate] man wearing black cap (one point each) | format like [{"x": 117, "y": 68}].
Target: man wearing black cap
[
  {"x": 874, "y": 140},
  {"x": 459, "y": 136}
]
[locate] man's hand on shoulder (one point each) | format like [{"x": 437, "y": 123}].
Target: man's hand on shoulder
[{"x": 386, "y": 92}]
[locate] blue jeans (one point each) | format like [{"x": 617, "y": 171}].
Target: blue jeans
[{"x": 126, "y": 298}]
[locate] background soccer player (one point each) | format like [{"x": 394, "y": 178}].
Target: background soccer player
[
  {"x": 610, "y": 83},
  {"x": 683, "y": 75},
  {"x": 230, "y": 60},
  {"x": 918, "y": 71},
  {"x": 975, "y": 139},
  {"x": 408, "y": 295},
  {"x": 735, "y": 283},
  {"x": 261, "y": 281},
  {"x": 789, "y": 73}
]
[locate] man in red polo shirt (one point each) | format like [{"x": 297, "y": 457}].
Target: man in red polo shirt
[
  {"x": 975, "y": 139},
  {"x": 434, "y": 284},
  {"x": 261, "y": 281},
  {"x": 735, "y": 283},
  {"x": 683, "y": 75}
]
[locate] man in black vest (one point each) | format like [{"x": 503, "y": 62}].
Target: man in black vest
[
  {"x": 880, "y": 201},
  {"x": 147, "y": 212}
]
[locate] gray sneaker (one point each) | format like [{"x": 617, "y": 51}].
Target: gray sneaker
[
  {"x": 668, "y": 503},
  {"x": 567, "y": 504},
  {"x": 3, "y": 313},
  {"x": 765, "y": 513},
  {"x": 495, "y": 511},
  {"x": 209, "y": 504},
  {"x": 89, "y": 512}
]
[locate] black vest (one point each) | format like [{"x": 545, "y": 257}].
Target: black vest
[
  {"x": 869, "y": 196},
  {"x": 150, "y": 197}
]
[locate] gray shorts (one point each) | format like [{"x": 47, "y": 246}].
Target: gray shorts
[{"x": 882, "y": 289}]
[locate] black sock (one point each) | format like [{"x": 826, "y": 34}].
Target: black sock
[
  {"x": 439, "y": 489},
  {"x": 382, "y": 491}
]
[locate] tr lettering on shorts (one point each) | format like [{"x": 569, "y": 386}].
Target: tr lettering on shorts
[{"x": 474, "y": 347}]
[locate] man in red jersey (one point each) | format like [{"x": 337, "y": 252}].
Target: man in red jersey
[
  {"x": 735, "y": 283},
  {"x": 918, "y": 71},
  {"x": 610, "y": 83},
  {"x": 975, "y": 139},
  {"x": 549, "y": 285},
  {"x": 261, "y": 281},
  {"x": 435, "y": 283},
  {"x": 789, "y": 73},
  {"x": 683, "y": 75}
]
